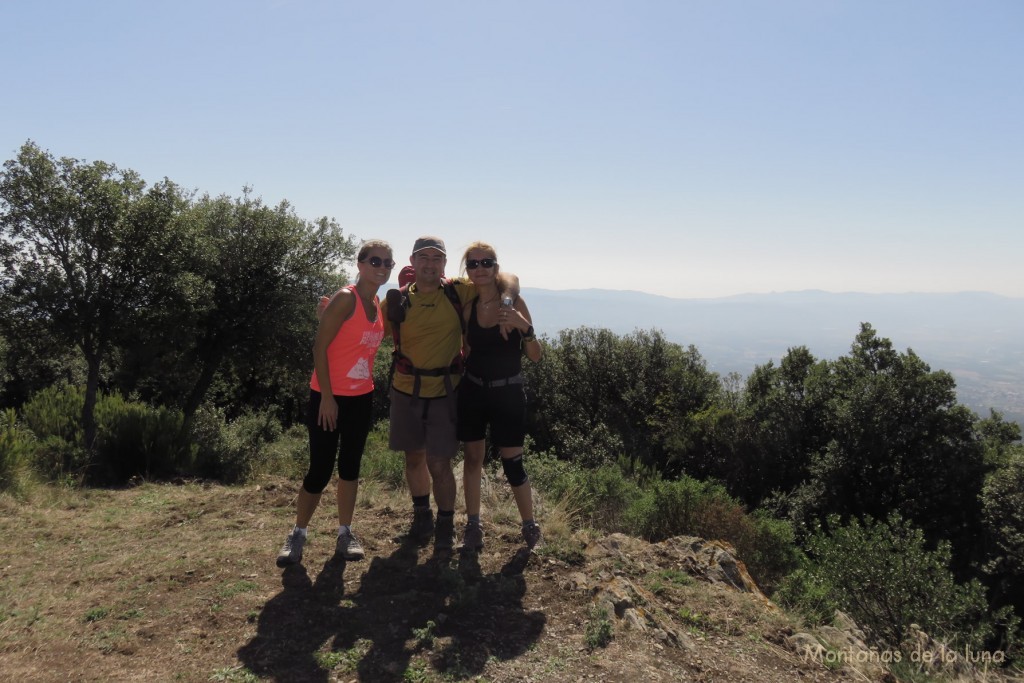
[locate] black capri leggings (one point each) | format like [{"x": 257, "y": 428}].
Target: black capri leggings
[{"x": 355, "y": 413}]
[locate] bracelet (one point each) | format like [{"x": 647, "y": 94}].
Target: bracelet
[{"x": 529, "y": 336}]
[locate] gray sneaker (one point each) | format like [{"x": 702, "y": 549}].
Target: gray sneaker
[
  {"x": 473, "y": 538},
  {"x": 444, "y": 533},
  {"x": 422, "y": 524},
  {"x": 349, "y": 547},
  {"x": 291, "y": 551},
  {"x": 532, "y": 536}
]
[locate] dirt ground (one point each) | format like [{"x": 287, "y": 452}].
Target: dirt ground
[{"x": 164, "y": 582}]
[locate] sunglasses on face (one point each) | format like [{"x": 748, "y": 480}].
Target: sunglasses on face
[
  {"x": 376, "y": 261},
  {"x": 473, "y": 264}
]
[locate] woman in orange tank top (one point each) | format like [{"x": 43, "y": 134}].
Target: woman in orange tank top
[{"x": 341, "y": 400}]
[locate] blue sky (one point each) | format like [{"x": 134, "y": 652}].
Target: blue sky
[{"x": 684, "y": 148}]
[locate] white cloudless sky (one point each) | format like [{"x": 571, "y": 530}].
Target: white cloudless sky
[{"x": 681, "y": 147}]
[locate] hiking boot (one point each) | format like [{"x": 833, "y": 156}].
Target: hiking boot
[
  {"x": 532, "y": 536},
  {"x": 422, "y": 524},
  {"x": 291, "y": 551},
  {"x": 473, "y": 538},
  {"x": 349, "y": 547},
  {"x": 444, "y": 533}
]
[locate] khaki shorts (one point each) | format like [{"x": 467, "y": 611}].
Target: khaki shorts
[{"x": 424, "y": 424}]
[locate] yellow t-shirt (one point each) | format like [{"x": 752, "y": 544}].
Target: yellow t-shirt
[{"x": 431, "y": 336}]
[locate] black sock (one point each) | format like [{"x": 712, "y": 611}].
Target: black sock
[
  {"x": 445, "y": 513},
  {"x": 421, "y": 501}
]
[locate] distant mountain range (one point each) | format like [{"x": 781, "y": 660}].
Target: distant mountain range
[{"x": 976, "y": 336}]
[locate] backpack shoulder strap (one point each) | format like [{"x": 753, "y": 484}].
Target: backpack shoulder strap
[{"x": 452, "y": 292}]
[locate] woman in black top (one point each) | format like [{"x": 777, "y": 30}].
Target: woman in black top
[{"x": 491, "y": 391}]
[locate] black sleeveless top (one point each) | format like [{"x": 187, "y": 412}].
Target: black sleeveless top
[{"x": 490, "y": 356}]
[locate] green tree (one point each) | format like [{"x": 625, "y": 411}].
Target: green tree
[
  {"x": 596, "y": 396},
  {"x": 87, "y": 248},
  {"x": 999, "y": 438},
  {"x": 897, "y": 440},
  {"x": 781, "y": 426},
  {"x": 251, "y": 325},
  {"x": 1003, "y": 515}
]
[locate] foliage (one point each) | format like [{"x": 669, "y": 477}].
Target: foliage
[
  {"x": 235, "y": 451},
  {"x": 598, "y": 632},
  {"x": 782, "y": 425},
  {"x": 380, "y": 463},
  {"x": 245, "y": 337},
  {"x": 640, "y": 502},
  {"x": 999, "y": 438},
  {"x": 894, "y": 439},
  {"x": 597, "y": 396},
  {"x": 883, "y": 575},
  {"x": 15, "y": 448},
  {"x": 86, "y": 249},
  {"x": 133, "y": 439},
  {"x": 1003, "y": 517}
]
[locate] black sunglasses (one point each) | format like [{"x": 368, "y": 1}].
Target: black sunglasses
[
  {"x": 375, "y": 262},
  {"x": 473, "y": 264}
]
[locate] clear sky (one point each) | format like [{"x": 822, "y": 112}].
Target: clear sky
[{"x": 681, "y": 147}]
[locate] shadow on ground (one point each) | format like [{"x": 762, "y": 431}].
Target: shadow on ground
[{"x": 444, "y": 612}]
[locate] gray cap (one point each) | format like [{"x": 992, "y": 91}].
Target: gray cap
[{"x": 428, "y": 242}]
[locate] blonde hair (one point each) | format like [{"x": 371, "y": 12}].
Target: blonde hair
[
  {"x": 480, "y": 246},
  {"x": 366, "y": 246}
]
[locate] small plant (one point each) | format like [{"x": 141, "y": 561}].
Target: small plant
[
  {"x": 599, "y": 629},
  {"x": 344, "y": 661},
  {"x": 569, "y": 551},
  {"x": 695, "y": 622},
  {"x": 230, "y": 590},
  {"x": 425, "y": 636},
  {"x": 660, "y": 581},
  {"x": 234, "y": 674},
  {"x": 676, "y": 577},
  {"x": 95, "y": 614},
  {"x": 417, "y": 672}
]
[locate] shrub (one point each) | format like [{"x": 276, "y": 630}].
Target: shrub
[
  {"x": 134, "y": 439},
  {"x": 883, "y": 576},
  {"x": 16, "y": 446},
  {"x": 56, "y": 411},
  {"x": 247, "y": 443}
]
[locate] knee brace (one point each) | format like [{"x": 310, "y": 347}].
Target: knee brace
[{"x": 515, "y": 473}]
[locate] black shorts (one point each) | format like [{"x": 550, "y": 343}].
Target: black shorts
[{"x": 503, "y": 408}]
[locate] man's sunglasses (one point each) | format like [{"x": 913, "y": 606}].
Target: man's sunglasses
[
  {"x": 473, "y": 264},
  {"x": 376, "y": 261}
]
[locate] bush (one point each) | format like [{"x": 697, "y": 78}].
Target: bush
[
  {"x": 694, "y": 508},
  {"x": 56, "y": 411},
  {"x": 882, "y": 575},
  {"x": 234, "y": 452},
  {"x": 131, "y": 438},
  {"x": 16, "y": 446},
  {"x": 134, "y": 439}
]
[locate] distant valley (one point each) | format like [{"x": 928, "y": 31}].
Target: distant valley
[{"x": 978, "y": 337}]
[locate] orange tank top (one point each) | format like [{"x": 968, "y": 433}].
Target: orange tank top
[{"x": 350, "y": 354}]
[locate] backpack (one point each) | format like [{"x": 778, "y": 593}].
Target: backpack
[{"x": 398, "y": 304}]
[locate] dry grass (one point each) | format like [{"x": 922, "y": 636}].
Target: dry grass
[{"x": 165, "y": 582}]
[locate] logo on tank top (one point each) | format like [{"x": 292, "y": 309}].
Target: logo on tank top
[
  {"x": 372, "y": 339},
  {"x": 361, "y": 370}
]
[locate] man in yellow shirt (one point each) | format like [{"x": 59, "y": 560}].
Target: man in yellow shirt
[{"x": 427, "y": 372}]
